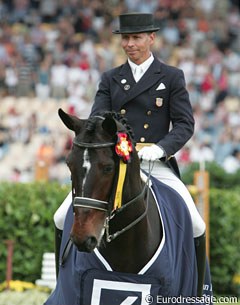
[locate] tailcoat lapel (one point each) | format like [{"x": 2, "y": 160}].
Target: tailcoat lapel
[{"x": 130, "y": 87}]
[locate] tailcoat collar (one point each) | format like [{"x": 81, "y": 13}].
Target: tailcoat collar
[{"x": 132, "y": 89}]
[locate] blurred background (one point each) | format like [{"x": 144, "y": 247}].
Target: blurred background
[{"x": 52, "y": 54}]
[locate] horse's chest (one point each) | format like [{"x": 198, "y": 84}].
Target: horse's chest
[{"x": 100, "y": 286}]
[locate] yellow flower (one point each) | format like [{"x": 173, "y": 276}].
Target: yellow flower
[
  {"x": 17, "y": 285},
  {"x": 236, "y": 279}
]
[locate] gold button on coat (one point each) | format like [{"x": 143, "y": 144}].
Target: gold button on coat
[
  {"x": 142, "y": 139},
  {"x": 149, "y": 112},
  {"x": 146, "y": 126},
  {"x": 123, "y": 111}
]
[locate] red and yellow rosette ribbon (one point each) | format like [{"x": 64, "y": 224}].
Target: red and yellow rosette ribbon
[{"x": 123, "y": 147}]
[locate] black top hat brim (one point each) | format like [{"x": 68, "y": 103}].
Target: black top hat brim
[
  {"x": 136, "y": 23},
  {"x": 131, "y": 31}
]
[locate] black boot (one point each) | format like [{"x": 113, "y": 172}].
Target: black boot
[
  {"x": 200, "y": 249},
  {"x": 58, "y": 239}
]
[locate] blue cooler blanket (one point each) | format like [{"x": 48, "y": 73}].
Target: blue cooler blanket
[{"x": 169, "y": 277}]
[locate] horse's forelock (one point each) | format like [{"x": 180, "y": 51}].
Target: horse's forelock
[
  {"x": 91, "y": 124},
  {"x": 93, "y": 130},
  {"x": 122, "y": 120}
]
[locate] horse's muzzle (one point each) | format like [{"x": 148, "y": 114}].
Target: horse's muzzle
[{"x": 88, "y": 245}]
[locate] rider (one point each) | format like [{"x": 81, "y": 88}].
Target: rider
[{"x": 153, "y": 98}]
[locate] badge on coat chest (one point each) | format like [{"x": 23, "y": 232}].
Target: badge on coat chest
[
  {"x": 126, "y": 86},
  {"x": 159, "y": 101}
]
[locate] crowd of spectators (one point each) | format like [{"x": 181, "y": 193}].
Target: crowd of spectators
[{"x": 57, "y": 49}]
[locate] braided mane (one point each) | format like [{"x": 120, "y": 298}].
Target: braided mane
[{"x": 119, "y": 117}]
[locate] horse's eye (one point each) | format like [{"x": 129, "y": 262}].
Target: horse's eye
[{"x": 107, "y": 169}]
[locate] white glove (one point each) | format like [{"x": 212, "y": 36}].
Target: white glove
[{"x": 151, "y": 153}]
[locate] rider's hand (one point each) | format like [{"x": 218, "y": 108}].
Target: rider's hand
[{"x": 151, "y": 153}]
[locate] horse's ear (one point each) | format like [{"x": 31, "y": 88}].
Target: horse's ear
[
  {"x": 110, "y": 126},
  {"x": 72, "y": 122}
]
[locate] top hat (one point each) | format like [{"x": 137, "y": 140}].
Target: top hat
[{"x": 136, "y": 23}]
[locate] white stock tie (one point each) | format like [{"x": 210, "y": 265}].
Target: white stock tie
[{"x": 138, "y": 73}]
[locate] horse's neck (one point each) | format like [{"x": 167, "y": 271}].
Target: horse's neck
[{"x": 131, "y": 251}]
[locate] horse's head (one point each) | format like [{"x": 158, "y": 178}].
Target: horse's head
[{"x": 100, "y": 145}]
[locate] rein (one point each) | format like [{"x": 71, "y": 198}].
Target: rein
[{"x": 110, "y": 237}]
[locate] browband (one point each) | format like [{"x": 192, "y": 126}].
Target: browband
[{"x": 93, "y": 145}]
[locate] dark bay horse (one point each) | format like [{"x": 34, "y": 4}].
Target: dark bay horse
[
  {"x": 95, "y": 169},
  {"x": 132, "y": 236}
]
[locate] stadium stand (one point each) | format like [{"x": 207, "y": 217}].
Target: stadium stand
[{"x": 52, "y": 54}]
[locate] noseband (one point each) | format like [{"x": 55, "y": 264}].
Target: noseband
[{"x": 96, "y": 204}]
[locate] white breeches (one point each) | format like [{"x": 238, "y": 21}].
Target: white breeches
[
  {"x": 163, "y": 174},
  {"x": 60, "y": 214}
]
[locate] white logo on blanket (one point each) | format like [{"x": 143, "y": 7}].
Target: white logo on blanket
[{"x": 99, "y": 286}]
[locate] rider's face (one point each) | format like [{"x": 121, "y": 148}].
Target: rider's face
[{"x": 137, "y": 46}]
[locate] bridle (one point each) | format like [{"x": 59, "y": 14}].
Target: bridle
[
  {"x": 85, "y": 202},
  {"x": 96, "y": 204}
]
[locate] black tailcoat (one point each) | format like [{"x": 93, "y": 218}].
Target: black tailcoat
[{"x": 157, "y": 107}]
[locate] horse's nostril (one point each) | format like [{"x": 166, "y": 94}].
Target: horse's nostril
[{"x": 90, "y": 243}]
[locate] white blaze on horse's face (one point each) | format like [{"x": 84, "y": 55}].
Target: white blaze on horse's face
[{"x": 87, "y": 166}]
